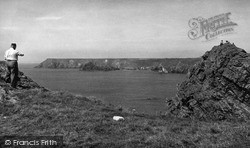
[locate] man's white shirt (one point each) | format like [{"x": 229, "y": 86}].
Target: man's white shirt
[{"x": 11, "y": 54}]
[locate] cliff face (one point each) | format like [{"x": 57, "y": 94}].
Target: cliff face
[
  {"x": 173, "y": 65},
  {"x": 218, "y": 87}
]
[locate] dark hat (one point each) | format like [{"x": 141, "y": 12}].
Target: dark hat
[{"x": 13, "y": 44}]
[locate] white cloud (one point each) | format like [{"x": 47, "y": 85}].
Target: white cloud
[
  {"x": 49, "y": 18},
  {"x": 59, "y": 28},
  {"x": 11, "y": 28}
]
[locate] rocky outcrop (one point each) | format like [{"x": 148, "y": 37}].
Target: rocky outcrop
[
  {"x": 217, "y": 88},
  {"x": 7, "y": 93},
  {"x": 172, "y": 65},
  {"x": 93, "y": 67},
  {"x": 180, "y": 67}
]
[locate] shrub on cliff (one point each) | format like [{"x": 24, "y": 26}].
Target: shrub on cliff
[{"x": 218, "y": 87}]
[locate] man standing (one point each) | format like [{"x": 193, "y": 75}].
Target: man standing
[{"x": 11, "y": 57}]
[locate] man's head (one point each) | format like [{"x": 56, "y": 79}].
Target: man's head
[{"x": 13, "y": 45}]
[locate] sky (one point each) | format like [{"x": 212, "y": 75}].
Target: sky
[{"x": 114, "y": 28}]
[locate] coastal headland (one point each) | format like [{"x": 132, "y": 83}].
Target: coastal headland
[
  {"x": 210, "y": 110},
  {"x": 172, "y": 65}
]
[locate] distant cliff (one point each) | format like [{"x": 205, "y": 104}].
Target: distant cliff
[
  {"x": 90, "y": 66},
  {"x": 172, "y": 65}
]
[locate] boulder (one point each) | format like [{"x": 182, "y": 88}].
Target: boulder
[{"x": 217, "y": 88}]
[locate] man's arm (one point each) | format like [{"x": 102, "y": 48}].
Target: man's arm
[{"x": 20, "y": 54}]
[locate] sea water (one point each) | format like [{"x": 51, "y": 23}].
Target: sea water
[{"x": 144, "y": 91}]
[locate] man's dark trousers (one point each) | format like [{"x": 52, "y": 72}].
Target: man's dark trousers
[{"x": 12, "y": 72}]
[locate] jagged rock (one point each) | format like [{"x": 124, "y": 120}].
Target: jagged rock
[
  {"x": 24, "y": 83},
  {"x": 218, "y": 87},
  {"x": 2, "y": 94},
  {"x": 13, "y": 100}
]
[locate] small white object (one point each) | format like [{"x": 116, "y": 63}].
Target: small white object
[{"x": 117, "y": 118}]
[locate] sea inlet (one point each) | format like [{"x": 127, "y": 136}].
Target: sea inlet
[{"x": 145, "y": 91}]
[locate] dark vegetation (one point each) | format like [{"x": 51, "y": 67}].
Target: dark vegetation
[
  {"x": 90, "y": 66},
  {"x": 87, "y": 122}
]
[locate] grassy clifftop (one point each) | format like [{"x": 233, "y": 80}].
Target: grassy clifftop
[{"x": 87, "y": 122}]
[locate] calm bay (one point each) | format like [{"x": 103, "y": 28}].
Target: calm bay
[{"x": 144, "y": 91}]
